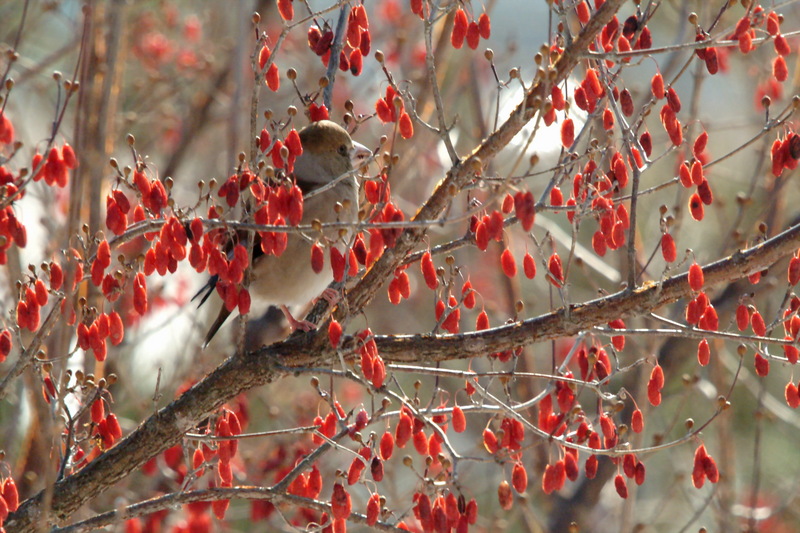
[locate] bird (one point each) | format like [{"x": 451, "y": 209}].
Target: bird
[{"x": 329, "y": 154}]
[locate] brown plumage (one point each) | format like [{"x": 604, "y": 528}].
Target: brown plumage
[{"x": 288, "y": 280}]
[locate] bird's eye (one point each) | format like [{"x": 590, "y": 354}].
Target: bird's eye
[{"x": 344, "y": 150}]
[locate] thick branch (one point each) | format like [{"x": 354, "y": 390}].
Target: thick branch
[
  {"x": 157, "y": 433},
  {"x": 557, "y": 324}
]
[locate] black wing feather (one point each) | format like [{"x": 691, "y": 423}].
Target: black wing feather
[{"x": 208, "y": 288}]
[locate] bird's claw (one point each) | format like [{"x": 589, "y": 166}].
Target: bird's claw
[
  {"x": 302, "y": 325},
  {"x": 331, "y": 296}
]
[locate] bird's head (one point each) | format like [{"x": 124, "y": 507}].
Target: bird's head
[{"x": 328, "y": 152}]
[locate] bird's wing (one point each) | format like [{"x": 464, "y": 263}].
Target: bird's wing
[
  {"x": 211, "y": 284},
  {"x": 206, "y": 290},
  {"x": 307, "y": 186}
]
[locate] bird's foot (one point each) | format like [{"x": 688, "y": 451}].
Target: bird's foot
[
  {"x": 331, "y": 296},
  {"x": 302, "y": 325}
]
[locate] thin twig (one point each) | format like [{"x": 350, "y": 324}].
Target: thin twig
[{"x": 336, "y": 50}]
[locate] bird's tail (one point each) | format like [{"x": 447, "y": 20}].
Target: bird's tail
[
  {"x": 206, "y": 290},
  {"x": 221, "y": 318},
  {"x": 204, "y": 293}
]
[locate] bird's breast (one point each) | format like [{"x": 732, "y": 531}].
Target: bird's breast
[{"x": 289, "y": 279}]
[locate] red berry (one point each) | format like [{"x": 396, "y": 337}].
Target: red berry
[
  {"x": 504, "y": 495},
  {"x": 637, "y": 421},
  {"x": 429, "y": 271},
  {"x": 556, "y": 270},
  {"x": 286, "y": 9},
  {"x": 373, "y": 509},
  {"x": 10, "y": 494},
  {"x": 700, "y": 144},
  {"x": 655, "y": 384},
  {"x": 608, "y": 120},
  {"x": 340, "y": 502},
  {"x": 590, "y": 468},
  {"x": 794, "y": 270},
  {"x": 519, "y": 478},
  {"x": 761, "y": 365},
  {"x": 387, "y": 445},
  {"x": 792, "y": 396},
  {"x": 621, "y": 486},
  {"x": 599, "y": 243},
  {"x": 334, "y": 332},
  {"x": 582, "y": 10},
  {"x": 490, "y": 441},
  {"x": 403, "y": 430},
  {"x": 508, "y": 263},
  {"x": 529, "y": 266},
  {"x": 460, "y": 26},
  {"x": 657, "y": 86},
  {"x": 98, "y": 411},
  {"x": 696, "y": 278},
  {"x": 757, "y": 321},
  {"x": 668, "y": 248},
  {"x": 626, "y": 102},
  {"x": 673, "y": 100},
  {"x": 405, "y": 126},
  {"x": 703, "y": 352},
  {"x": 782, "y": 45},
  {"x": 482, "y": 322},
  {"x": 459, "y": 420},
  {"x": 484, "y": 26},
  {"x": 473, "y": 35},
  {"x": 567, "y": 133},
  {"x": 593, "y": 82},
  {"x": 779, "y": 69}
]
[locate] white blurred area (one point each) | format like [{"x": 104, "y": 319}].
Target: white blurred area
[
  {"x": 534, "y": 138},
  {"x": 167, "y": 343},
  {"x": 163, "y": 343},
  {"x": 537, "y": 138}
]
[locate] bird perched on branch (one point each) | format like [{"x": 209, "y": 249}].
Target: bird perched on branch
[{"x": 329, "y": 155}]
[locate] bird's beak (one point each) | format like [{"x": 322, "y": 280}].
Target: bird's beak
[{"x": 359, "y": 155}]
